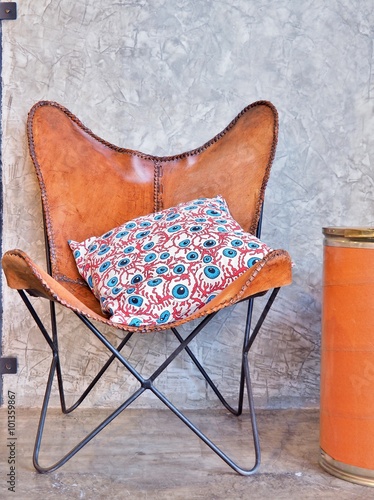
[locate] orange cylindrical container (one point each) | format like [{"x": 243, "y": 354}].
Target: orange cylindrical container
[{"x": 347, "y": 355}]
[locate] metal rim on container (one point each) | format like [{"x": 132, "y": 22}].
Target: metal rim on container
[
  {"x": 347, "y": 472},
  {"x": 358, "y": 237}
]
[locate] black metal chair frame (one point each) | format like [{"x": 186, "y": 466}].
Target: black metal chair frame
[{"x": 148, "y": 383}]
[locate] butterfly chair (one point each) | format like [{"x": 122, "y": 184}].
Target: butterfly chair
[{"x": 77, "y": 170}]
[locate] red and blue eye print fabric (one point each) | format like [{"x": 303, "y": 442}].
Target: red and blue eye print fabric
[{"x": 162, "y": 267}]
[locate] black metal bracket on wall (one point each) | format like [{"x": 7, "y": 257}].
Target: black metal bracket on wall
[
  {"x": 8, "y": 365},
  {"x": 8, "y": 11}
]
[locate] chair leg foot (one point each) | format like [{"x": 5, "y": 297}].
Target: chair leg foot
[
  {"x": 81, "y": 444},
  {"x": 256, "y": 441}
]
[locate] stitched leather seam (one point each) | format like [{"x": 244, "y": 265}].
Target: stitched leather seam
[
  {"x": 158, "y": 191},
  {"x": 44, "y": 197}
]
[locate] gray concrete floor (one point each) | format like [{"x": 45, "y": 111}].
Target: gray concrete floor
[{"x": 150, "y": 454}]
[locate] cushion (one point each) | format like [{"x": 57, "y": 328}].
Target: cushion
[{"x": 162, "y": 267}]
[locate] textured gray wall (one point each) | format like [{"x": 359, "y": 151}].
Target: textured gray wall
[{"x": 163, "y": 77}]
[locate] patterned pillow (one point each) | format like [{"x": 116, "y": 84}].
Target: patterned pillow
[{"x": 162, "y": 267}]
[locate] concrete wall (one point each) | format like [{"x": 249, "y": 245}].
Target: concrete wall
[{"x": 164, "y": 76}]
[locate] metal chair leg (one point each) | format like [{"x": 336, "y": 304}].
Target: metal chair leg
[
  {"x": 53, "y": 344},
  {"x": 148, "y": 384},
  {"x": 84, "y": 441},
  {"x": 209, "y": 442}
]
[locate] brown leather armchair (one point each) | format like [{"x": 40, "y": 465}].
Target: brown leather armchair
[{"x": 68, "y": 157}]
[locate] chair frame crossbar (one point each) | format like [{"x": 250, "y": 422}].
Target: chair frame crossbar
[{"x": 148, "y": 383}]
